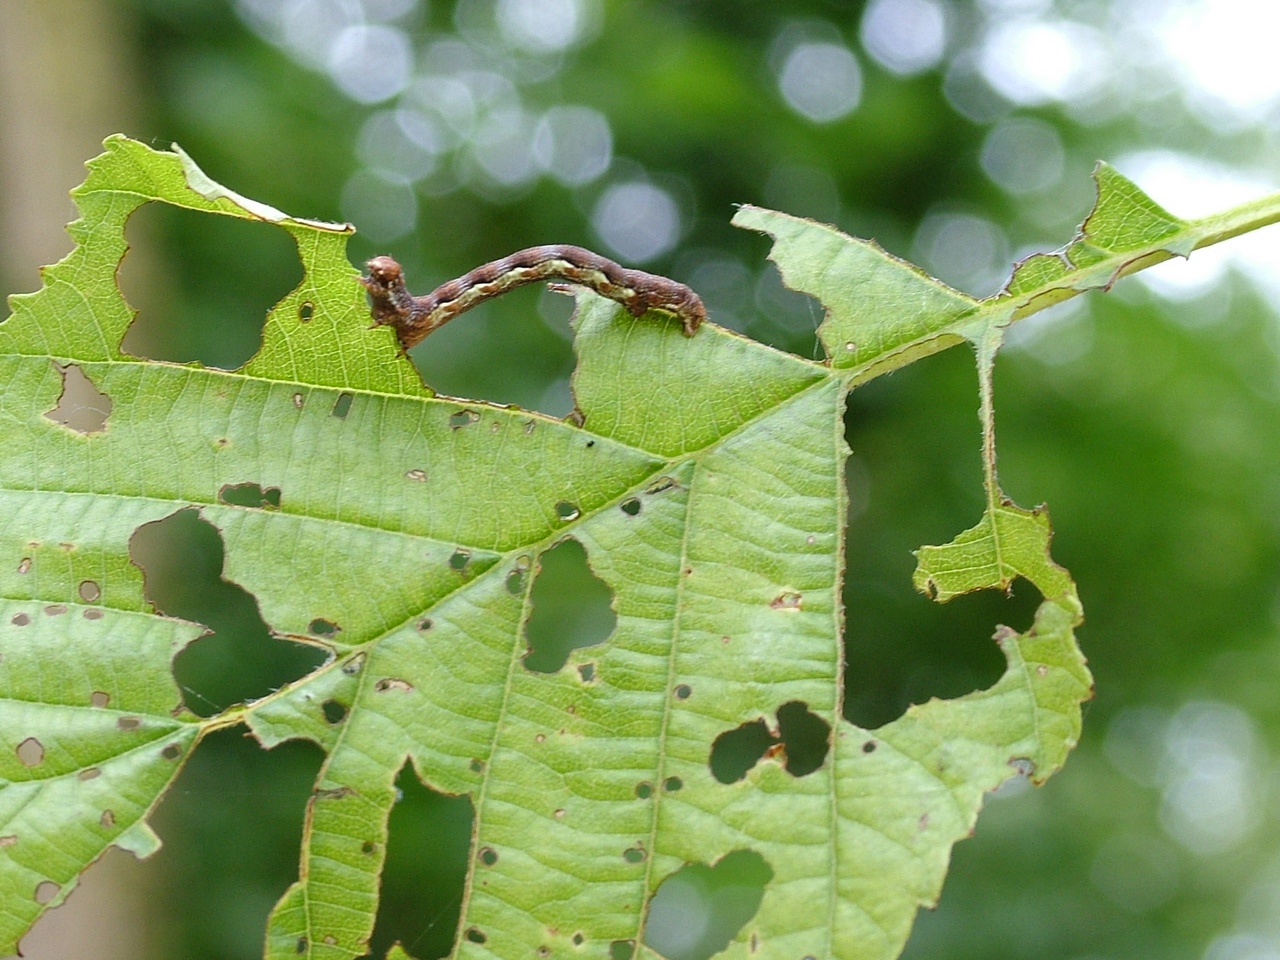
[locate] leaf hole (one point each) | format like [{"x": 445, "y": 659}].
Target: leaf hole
[
  {"x": 298, "y": 400},
  {"x": 20, "y": 620},
  {"x": 805, "y": 736},
  {"x": 459, "y": 560},
  {"x": 306, "y": 310},
  {"x": 30, "y": 752},
  {"x": 181, "y": 558},
  {"x": 89, "y": 773},
  {"x": 211, "y": 303},
  {"x": 634, "y": 854},
  {"x": 567, "y": 511},
  {"x": 672, "y": 784},
  {"x": 488, "y": 856},
  {"x": 334, "y": 712},
  {"x": 698, "y": 910},
  {"x": 89, "y": 591},
  {"x": 24, "y": 565},
  {"x": 587, "y": 671},
  {"x": 631, "y": 507},
  {"x": 81, "y": 407},
  {"x": 578, "y": 939},
  {"x": 572, "y": 608},
  {"x": 869, "y": 747},
  {"x": 250, "y": 495},
  {"x": 476, "y": 765},
  {"x": 417, "y": 474},
  {"x": 463, "y": 418},
  {"x": 736, "y": 751},
  {"x": 644, "y": 790},
  {"x": 683, "y": 691},
  {"x": 55, "y": 609},
  {"x": 476, "y": 935},
  {"x": 368, "y": 847},
  {"x": 108, "y": 820},
  {"x": 622, "y": 949},
  {"x": 425, "y": 625},
  {"x": 301, "y": 946},
  {"x": 128, "y": 723},
  {"x": 323, "y": 628},
  {"x": 342, "y": 406},
  {"x": 544, "y": 951},
  {"x": 93, "y": 614},
  {"x": 354, "y": 665},
  {"x": 171, "y": 752},
  {"x": 99, "y": 699},
  {"x": 46, "y": 890}
]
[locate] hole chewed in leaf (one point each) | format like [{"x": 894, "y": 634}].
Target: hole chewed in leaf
[
  {"x": 572, "y": 608},
  {"x": 306, "y": 310},
  {"x": 128, "y": 723},
  {"x": 324, "y": 628},
  {"x": 20, "y": 620},
  {"x": 736, "y": 751},
  {"x": 342, "y": 406},
  {"x": 459, "y": 559},
  {"x": 567, "y": 511},
  {"x": 622, "y": 950},
  {"x": 805, "y": 736},
  {"x": 99, "y": 698},
  {"x": 46, "y": 890},
  {"x": 463, "y": 418},
  {"x": 89, "y": 591},
  {"x": 488, "y": 856},
  {"x": 476, "y": 935},
  {"x": 181, "y": 558},
  {"x": 334, "y": 712},
  {"x": 250, "y": 495},
  {"x": 55, "y": 609},
  {"x": 81, "y": 407},
  {"x": 427, "y": 854},
  {"x": 672, "y": 784},
  {"x": 698, "y": 910},
  {"x": 802, "y": 741},
  {"x": 192, "y": 312},
  {"x": 631, "y": 507}
]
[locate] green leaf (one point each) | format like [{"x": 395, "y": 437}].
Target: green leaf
[{"x": 704, "y": 479}]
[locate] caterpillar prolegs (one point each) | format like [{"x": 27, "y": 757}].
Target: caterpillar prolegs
[{"x": 415, "y": 317}]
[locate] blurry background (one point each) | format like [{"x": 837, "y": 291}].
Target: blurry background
[{"x": 958, "y": 134}]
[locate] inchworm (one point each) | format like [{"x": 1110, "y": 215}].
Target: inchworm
[{"x": 415, "y": 317}]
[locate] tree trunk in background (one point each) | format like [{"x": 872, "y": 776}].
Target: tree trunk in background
[{"x": 66, "y": 82}]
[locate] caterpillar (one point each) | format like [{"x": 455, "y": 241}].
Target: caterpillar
[{"x": 413, "y": 318}]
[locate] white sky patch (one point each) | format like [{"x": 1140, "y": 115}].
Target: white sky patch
[
  {"x": 637, "y": 220},
  {"x": 1035, "y": 62},
  {"x": 904, "y": 36},
  {"x": 1224, "y": 53}
]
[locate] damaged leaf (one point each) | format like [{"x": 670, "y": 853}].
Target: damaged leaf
[{"x": 402, "y": 532}]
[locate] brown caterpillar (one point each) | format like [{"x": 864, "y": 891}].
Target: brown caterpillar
[{"x": 415, "y": 317}]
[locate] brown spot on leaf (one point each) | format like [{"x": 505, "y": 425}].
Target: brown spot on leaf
[
  {"x": 790, "y": 600},
  {"x": 31, "y": 752},
  {"x": 392, "y": 683}
]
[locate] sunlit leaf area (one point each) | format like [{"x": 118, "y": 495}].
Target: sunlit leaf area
[{"x": 958, "y": 135}]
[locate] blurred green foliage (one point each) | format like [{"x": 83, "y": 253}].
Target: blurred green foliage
[{"x": 1146, "y": 422}]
